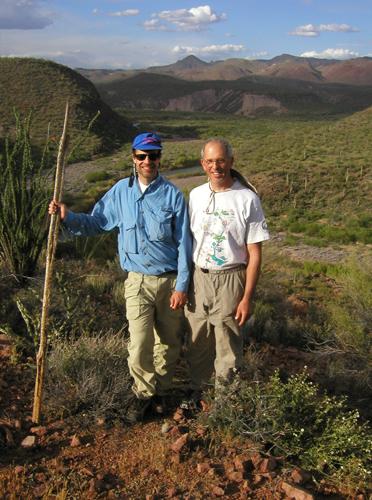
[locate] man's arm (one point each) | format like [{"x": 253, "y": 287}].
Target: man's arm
[
  {"x": 183, "y": 238},
  {"x": 254, "y": 251},
  {"x": 104, "y": 216}
]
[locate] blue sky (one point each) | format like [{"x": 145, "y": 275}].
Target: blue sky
[{"x": 137, "y": 34}]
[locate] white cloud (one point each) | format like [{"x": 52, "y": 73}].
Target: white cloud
[
  {"x": 208, "y": 50},
  {"x": 95, "y": 11},
  {"x": 311, "y": 30},
  {"x": 258, "y": 55},
  {"x": 24, "y": 15},
  {"x": 331, "y": 54},
  {"x": 155, "y": 25},
  {"x": 86, "y": 51},
  {"x": 194, "y": 19},
  {"x": 125, "y": 13}
]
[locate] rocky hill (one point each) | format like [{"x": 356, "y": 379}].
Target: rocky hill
[
  {"x": 248, "y": 96},
  {"x": 42, "y": 87},
  {"x": 284, "y": 84}
]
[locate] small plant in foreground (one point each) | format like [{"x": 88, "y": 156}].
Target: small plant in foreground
[
  {"x": 89, "y": 375},
  {"x": 293, "y": 419}
]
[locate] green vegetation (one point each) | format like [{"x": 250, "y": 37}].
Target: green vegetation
[
  {"x": 313, "y": 175},
  {"x": 294, "y": 420},
  {"x": 98, "y": 176},
  {"x": 89, "y": 375},
  {"x": 43, "y": 87},
  {"x": 24, "y": 196}
]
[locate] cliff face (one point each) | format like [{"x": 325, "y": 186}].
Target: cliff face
[{"x": 240, "y": 103}]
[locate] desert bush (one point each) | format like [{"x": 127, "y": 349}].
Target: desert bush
[
  {"x": 293, "y": 419},
  {"x": 24, "y": 196},
  {"x": 349, "y": 342},
  {"x": 99, "y": 175},
  {"x": 88, "y": 375}
]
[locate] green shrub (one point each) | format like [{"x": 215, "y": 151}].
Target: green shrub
[
  {"x": 88, "y": 375},
  {"x": 294, "y": 420},
  {"x": 99, "y": 175},
  {"x": 349, "y": 345},
  {"x": 24, "y": 195}
]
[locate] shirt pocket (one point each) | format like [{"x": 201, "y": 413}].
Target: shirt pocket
[
  {"x": 159, "y": 224},
  {"x": 130, "y": 238}
]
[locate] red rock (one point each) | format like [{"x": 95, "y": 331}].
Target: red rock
[
  {"x": 174, "y": 431},
  {"x": 75, "y": 441},
  {"x": 29, "y": 442},
  {"x": 267, "y": 465},
  {"x": 256, "y": 459},
  {"x": 228, "y": 467},
  {"x": 219, "y": 492},
  {"x": 180, "y": 443},
  {"x": 178, "y": 415},
  {"x": 295, "y": 492},
  {"x": 39, "y": 430},
  {"x": 300, "y": 476},
  {"x": 236, "y": 476},
  {"x": 203, "y": 468}
]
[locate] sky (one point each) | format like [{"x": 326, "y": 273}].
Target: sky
[{"x": 132, "y": 34}]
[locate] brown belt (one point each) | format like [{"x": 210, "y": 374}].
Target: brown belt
[{"x": 240, "y": 267}]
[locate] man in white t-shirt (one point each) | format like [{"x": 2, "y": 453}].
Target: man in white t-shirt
[{"x": 228, "y": 226}]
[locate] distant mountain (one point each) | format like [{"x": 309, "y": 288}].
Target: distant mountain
[
  {"x": 284, "y": 84},
  {"x": 356, "y": 71},
  {"x": 43, "y": 87},
  {"x": 248, "y": 96}
]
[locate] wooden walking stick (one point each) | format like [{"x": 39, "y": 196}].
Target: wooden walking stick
[{"x": 51, "y": 247}]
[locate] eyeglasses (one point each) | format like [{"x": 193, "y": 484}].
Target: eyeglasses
[
  {"x": 151, "y": 156},
  {"x": 219, "y": 162}
]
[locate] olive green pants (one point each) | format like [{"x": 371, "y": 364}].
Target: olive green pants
[
  {"x": 215, "y": 341},
  {"x": 155, "y": 332}
]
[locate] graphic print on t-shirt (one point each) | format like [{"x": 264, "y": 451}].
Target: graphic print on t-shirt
[{"x": 215, "y": 227}]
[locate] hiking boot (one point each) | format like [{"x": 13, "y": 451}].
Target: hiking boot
[
  {"x": 192, "y": 401},
  {"x": 136, "y": 410}
]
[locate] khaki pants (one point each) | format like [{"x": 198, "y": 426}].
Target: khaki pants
[
  {"x": 215, "y": 340},
  {"x": 155, "y": 332}
]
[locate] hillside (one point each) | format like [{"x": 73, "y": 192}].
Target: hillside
[
  {"x": 43, "y": 87},
  {"x": 247, "y": 96}
]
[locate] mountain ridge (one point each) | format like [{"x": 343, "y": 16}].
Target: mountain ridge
[{"x": 288, "y": 66}]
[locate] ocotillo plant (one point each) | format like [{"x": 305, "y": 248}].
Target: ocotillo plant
[{"x": 24, "y": 196}]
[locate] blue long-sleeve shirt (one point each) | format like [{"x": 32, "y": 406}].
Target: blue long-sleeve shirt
[{"x": 154, "y": 235}]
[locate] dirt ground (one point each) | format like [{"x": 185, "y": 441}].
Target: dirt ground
[{"x": 167, "y": 457}]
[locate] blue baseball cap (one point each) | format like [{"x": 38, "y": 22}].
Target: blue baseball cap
[{"x": 146, "y": 141}]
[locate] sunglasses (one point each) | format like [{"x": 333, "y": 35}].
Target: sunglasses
[{"x": 151, "y": 156}]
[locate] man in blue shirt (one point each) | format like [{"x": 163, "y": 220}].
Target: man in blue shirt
[{"x": 154, "y": 246}]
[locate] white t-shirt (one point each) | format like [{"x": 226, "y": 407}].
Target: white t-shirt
[{"x": 223, "y": 223}]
